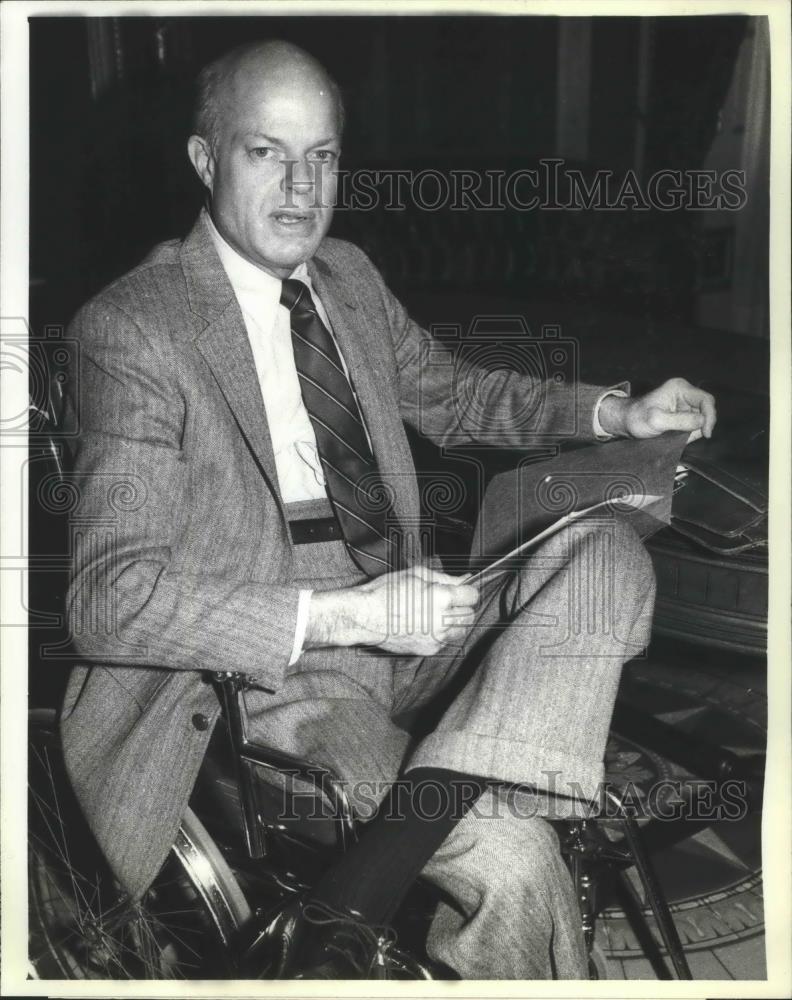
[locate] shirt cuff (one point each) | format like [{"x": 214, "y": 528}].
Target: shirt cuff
[
  {"x": 622, "y": 390},
  {"x": 303, "y": 606}
]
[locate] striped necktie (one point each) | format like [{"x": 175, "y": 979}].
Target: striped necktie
[{"x": 359, "y": 498}]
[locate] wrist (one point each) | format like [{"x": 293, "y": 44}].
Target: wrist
[
  {"x": 335, "y": 618},
  {"x": 322, "y": 618}
]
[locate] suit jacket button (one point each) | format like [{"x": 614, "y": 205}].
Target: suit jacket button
[{"x": 200, "y": 722}]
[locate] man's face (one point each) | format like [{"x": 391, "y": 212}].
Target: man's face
[{"x": 273, "y": 171}]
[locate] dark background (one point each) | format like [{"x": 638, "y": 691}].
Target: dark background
[{"x": 110, "y": 100}]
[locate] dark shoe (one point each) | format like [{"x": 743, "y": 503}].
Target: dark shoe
[
  {"x": 267, "y": 951},
  {"x": 311, "y": 940}
]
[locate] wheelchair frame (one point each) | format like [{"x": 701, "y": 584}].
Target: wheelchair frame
[{"x": 584, "y": 848}]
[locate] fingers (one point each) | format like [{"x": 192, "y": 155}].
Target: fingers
[
  {"x": 455, "y": 590},
  {"x": 464, "y": 595},
  {"x": 455, "y": 627},
  {"x": 423, "y": 572},
  {"x": 458, "y": 614},
  {"x": 423, "y": 609},
  {"x": 455, "y": 610},
  {"x": 690, "y": 397},
  {"x": 430, "y": 575},
  {"x": 455, "y": 606},
  {"x": 455, "y": 638},
  {"x": 710, "y": 414},
  {"x": 687, "y": 420}
]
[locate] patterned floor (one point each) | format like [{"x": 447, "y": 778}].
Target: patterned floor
[{"x": 710, "y": 868}]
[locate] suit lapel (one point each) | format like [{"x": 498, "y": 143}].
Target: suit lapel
[
  {"x": 356, "y": 346},
  {"x": 223, "y": 342},
  {"x": 226, "y": 349}
]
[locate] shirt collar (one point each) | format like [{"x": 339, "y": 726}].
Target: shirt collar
[{"x": 245, "y": 277}]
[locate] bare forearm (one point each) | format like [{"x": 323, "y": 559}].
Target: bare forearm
[{"x": 338, "y": 618}]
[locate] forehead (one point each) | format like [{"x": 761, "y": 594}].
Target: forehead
[{"x": 288, "y": 102}]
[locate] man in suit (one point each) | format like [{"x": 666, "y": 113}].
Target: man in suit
[{"x": 241, "y": 404}]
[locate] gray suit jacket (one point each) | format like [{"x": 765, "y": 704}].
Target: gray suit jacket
[{"x": 182, "y": 557}]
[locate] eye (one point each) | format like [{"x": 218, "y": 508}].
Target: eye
[
  {"x": 322, "y": 156},
  {"x": 262, "y": 152}
]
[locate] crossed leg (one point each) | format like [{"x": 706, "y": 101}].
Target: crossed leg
[
  {"x": 534, "y": 709},
  {"x": 514, "y": 914},
  {"x": 527, "y": 701}
]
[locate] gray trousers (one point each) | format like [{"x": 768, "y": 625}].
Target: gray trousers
[{"x": 526, "y": 700}]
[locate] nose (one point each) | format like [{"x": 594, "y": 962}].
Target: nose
[{"x": 298, "y": 176}]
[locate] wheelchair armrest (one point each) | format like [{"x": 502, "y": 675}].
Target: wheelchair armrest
[{"x": 249, "y": 754}]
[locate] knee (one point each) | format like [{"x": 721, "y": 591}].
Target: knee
[
  {"x": 632, "y": 558},
  {"x": 630, "y": 550},
  {"x": 619, "y": 544},
  {"x": 625, "y": 536}
]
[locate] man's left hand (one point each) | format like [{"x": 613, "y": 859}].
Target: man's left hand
[{"x": 675, "y": 406}]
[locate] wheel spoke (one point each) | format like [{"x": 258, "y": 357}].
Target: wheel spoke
[
  {"x": 81, "y": 924},
  {"x": 56, "y": 801}
]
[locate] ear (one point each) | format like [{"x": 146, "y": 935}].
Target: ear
[{"x": 202, "y": 159}]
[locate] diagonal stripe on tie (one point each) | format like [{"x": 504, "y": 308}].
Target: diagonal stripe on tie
[
  {"x": 358, "y": 486},
  {"x": 344, "y": 422},
  {"x": 371, "y": 531},
  {"x": 344, "y": 441},
  {"x": 370, "y": 555},
  {"x": 318, "y": 350},
  {"x": 329, "y": 396},
  {"x": 364, "y": 522}
]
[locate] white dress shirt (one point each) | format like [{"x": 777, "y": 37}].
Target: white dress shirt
[
  {"x": 300, "y": 475},
  {"x": 297, "y": 464}
]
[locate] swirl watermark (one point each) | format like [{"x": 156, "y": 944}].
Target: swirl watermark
[
  {"x": 65, "y": 492},
  {"x": 443, "y": 493}
]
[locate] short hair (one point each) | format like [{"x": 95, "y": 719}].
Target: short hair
[{"x": 206, "y": 118}]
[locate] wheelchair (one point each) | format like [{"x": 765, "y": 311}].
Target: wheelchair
[{"x": 246, "y": 846}]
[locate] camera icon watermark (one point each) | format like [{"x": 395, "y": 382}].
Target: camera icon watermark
[
  {"x": 507, "y": 386},
  {"x": 46, "y": 364}
]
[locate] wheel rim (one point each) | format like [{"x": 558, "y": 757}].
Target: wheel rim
[{"x": 81, "y": 924}]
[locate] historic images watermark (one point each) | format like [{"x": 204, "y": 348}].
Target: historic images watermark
[
  {"x": 664, "y": 800},
  {"x": 551, "y": 185}
]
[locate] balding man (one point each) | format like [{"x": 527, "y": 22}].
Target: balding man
[{"x": 253, "y": 381}]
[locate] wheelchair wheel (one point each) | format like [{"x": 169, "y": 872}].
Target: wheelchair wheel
[{"x": 81, "y": 926}]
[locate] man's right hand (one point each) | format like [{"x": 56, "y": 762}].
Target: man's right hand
[{"x": 414, "y": 612}]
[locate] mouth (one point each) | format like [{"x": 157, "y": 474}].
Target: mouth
[{"x": 292, "y": 219}]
